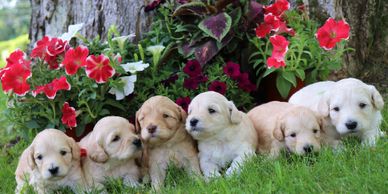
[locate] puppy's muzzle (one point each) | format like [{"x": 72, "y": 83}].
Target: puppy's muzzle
[
  {"x": 193, "y": 122},
  {"x": 54, "y": 170},
  {"x": 351, "y": 125},
  {"x": 151, "y": 128},
  {"x": 308, "y": 148},
  {"x": 137, "y": 143}
]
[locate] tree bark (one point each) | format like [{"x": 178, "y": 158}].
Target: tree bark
[
  {"x": 368, "y": 20},
  {"x": 52, "y": 17}
]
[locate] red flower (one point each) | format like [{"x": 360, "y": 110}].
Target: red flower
[
  {"x": 170, "y": 80},
  {"x": 69, "y": 115},
  {"x": 283, "y": 29},
  {"x": 14, "y": 78},
  {"x": 232, "y": 70},
  {"x": 16, "y": 57},
  {"x": 280, "y": 46},
  {"x": 56, "y": 46},
  {"x": 40, "y": 49},
  {"x": 74, "y": 59},
  {"x": 244, "y": 83},
  {"x": 49, "y": 49},
  {"x": 218, "y": 86},
  {"x": 273, "y": 62},
  {"x": 332, "y": 32},
  {"x": 98, "y": 68},
  {"x": 183, "y": 102},
  {"x": 52, "y": 88},
  {"x": 192, "y": 68},
  {"x": 193, "y": 82},
  {"x": 278, "y": 8},
  {"x": 271, "y": 23}
]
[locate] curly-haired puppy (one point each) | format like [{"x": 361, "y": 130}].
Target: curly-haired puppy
[
  {"x": 350, "y": 107},
  {"x": 162, "y": 126},
  {"x": 225, "y": 135},
  {"x": 112, "y": 148},
  {"x": 281, "y": 125},
  {"x": 51, "y": 161}
]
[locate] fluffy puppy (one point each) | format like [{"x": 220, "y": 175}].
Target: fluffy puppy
[
  {"x": 162, "y": 126},
  {"x": 112, "y": 148},
  {"x": 224, "y": 133},
  {"x": 281, "y": 125},
  {"x": 349, "y": 106},
  {"x": 51, "y": 161}
]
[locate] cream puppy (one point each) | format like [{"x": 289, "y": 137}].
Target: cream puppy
[
  {"x": 162, "y": 126},
  {"x": 112, "y": 148},
  {"x": 51, "y": 161},
  {"x": 349, "y": 107},
  {"x": 225, "y": 135},
  {"x": 281, "y": 125}
]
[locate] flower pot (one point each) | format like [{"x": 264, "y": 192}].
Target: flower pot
[
  {"x": 72, "y": 132},
  {"x": 268, "y": 91}
]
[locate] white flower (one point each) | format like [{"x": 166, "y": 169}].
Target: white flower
[
  {"x": 124, "y": 38},
  {"x": 72, "y": 31},
  {"x": 157, "y": 49},
  {"x": 134, "y": 66},
  {"x": 129, "y": 86}
]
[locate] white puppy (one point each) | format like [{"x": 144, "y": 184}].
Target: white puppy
[
  {"x": 349, "y": 107},
  {"x": 51, "y": 161},
  {"x": 112, "y": 148},
  {"x": 224, "y": 133}
]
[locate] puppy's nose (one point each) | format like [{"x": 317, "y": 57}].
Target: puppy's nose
[
  {"x": 151, "y": 128},
  {"x": 137, "y": 143},
  {"x": 308, "y": 148},
  {"x": 351, "y": 125},
  {"x": 53, "y": 170},
  {"x": 193, "y": 122}
]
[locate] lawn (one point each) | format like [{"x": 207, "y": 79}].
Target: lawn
[{"x": 356, "y": 169}]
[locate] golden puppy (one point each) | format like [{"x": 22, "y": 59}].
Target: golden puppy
[
  {"x": 112, "y": 148},
  {"x": 280, "y": 125},
  {"x": 51, "y": 161},
  {"x": 224, "y": 134},
  {"x": 162, "y": 126}
]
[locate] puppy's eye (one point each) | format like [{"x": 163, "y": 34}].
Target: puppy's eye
[
  {"x": 63, "y": 152},
  {"x": 362, "y": 105},
  {"x": 293, "y": 135},
  {"x": 39, "y": 157},
  {"x": 211, "y": 111},
  {"x": 336, "y": 109},
  {"x": 165, "y": 116},
  {"x": 116, "y": 138},
  {"x": 315, "y": 130}
]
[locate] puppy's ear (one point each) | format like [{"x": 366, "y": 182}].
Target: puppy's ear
[
  {"x": 377, "y": 99},
  {"x": 278, "y": 132},
  {"x": 75, "y": 149},
  {"x": 97, "y": 152},
  {"x": 235, "y": 115},
  {"x": 30, "y": 157},
  {"x": 324, "y": 105},
  {"x": 137, "y": 123},
  {"x": 183, "y": 114}
]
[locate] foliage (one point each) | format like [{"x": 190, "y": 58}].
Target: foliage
[{"x": 14, "y": 20}]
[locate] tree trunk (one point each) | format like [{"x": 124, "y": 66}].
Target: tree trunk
[
  {"x": 368, "y": 20},
  {"x": 52, "y": 17}
]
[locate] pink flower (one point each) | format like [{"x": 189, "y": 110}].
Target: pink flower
[
  {"x": 218, "y": 86},
  {"x": 57, "y": 46},
  {"x": 14, "y": 78},
  {"x": 53, "y": 87},
  {"x": 74, "y": 59},
  {"x": 192, "y": 68},
  {"x": 283, "y": 29},
  {"x": 40, "y": 49},
  {"x": 278, "y": 8},
  {"x": 49, "y": 49},
  {"x": 280, "y": 46},
  {"x": 332, "y": 32},
  {"x": 98, "y": 68},
  {"x": 232, "y": 70},
  {"x": 69, "y": 115},
  {"x": 271, "y": 23},
  {"x": 273, "y": 62},
  {"x": 183, "y": 102}
]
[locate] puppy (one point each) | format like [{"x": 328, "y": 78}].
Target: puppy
[
  {"x": 51, "y": 161},
  {"x": 162, "y": 126},
  {"x": 349, "y": 107},
  {"x": 224, "y": 134},
  {"x": 280, "y": 125},
  {"x": 112, "y": 148}
]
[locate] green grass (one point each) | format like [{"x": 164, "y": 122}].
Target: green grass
[{"x": 356, "y": 169}]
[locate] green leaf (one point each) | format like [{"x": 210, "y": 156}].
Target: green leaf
[
  {"x": 283, "y": 86},
  {"x": 216, "y": 26},
  {"x": 268, "y": 71},
  {"x": 289, "y": 76},
  {"x": 300, "y": 73},
  {"x": 32, "y": 124}
]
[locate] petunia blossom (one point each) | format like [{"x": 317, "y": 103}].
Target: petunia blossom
[
  {"x": 135, "y": 66},
  {"x": 271, "y": 23},
  {"x": 273, "y": 62},
  {"x": 332, "y": 32},
  {"x": 244, "y": 83},
  {"x": 40, "y": 49},
  {"x": 129, "y": 86},
  {"x": 69, "y": 115},
  {"x": 218, "y": 86},
  {"x": 15, "y": 79},
  {"x": 232, "y": 70},
  {"x": 280, "y": 46},
  {"x": 16, "y": 57},
  {"x": 53, "y": 87},
  {"x": 183, "y": 102},
  {"x": 98, "y": 68},
  {"x": 192, "y": 68},
  {"x": 71, "y": 32},
  {"x": 278, "y": 8},
  {"x": 74, "y": 59}
]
